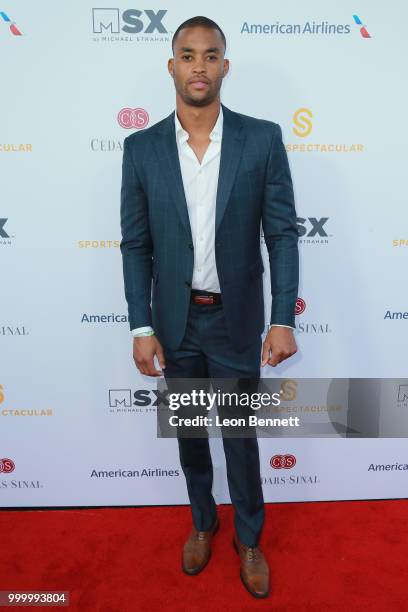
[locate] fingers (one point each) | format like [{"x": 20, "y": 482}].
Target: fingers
[
  {"x": 274, "y": 360},
  {"x": 144, "y": 350},
  {"x": 279, "y": 354},
  {"x": 145, "y": 365},
  {"x": 160, "y": 356},
  {"x": 265, "y": 353}
]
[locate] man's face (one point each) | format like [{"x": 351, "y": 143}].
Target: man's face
[{"x": 198, "y": 65}]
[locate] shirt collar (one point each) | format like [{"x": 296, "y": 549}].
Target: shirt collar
[{"x": 215, "y": 134}]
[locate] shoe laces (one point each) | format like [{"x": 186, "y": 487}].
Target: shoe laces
[{"x": 252, "y": 553}]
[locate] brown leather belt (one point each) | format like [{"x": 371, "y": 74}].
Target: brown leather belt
[{"x": 205, "y": 298}]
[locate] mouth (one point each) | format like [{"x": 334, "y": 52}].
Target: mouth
[{"x": 199, "y": 84}]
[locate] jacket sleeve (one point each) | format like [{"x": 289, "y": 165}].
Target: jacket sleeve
[
  {"x": 280, "y": 233},
  {"x": 136, "y": 245}
]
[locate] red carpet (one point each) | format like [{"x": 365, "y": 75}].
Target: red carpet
[{"x": 323, "y": 556}]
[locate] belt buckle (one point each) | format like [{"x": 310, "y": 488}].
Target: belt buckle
[{"x": 204, "y": 299}]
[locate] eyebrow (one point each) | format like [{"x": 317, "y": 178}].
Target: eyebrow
[{"x": 189, "y": 50}]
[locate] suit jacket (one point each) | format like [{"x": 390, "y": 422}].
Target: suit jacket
[{"x": 254, "y": 186}]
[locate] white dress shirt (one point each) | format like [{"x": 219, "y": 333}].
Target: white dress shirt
[
  {"x": 200, "y": 186},
  {"x": 200, "y": 183}
]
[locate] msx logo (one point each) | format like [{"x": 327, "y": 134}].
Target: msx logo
[
  {"x": 3, "y": 233},
  {"x": 316, "y": 229},
  {"x": 110, "y": 19},
  {"x": 120, "y": 397}
]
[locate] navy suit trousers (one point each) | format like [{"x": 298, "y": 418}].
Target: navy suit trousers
[{"x": 207, "y": 352}]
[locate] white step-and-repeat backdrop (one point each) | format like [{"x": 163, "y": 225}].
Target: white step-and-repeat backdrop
[{"x": 77, "y": 421}]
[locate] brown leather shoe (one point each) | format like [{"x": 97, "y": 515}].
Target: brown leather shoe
[
  {"x": 197, "y": 549},
  {"x": 254, "y": 569}
]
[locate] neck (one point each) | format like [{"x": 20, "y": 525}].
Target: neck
[{"x": 198, "y": 119}]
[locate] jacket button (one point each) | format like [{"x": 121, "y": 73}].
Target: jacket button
[
  {"x": 191, "y": 246},
  {"x": 188, "y": 284}
]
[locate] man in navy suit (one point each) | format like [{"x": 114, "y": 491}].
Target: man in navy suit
[{"x": 196, "y": 188}]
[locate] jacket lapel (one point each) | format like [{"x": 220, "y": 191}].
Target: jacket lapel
[
  {"x": 166, "y": 149},
  {"x": 231, "y": 150}
]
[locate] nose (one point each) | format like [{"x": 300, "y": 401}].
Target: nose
[{"x": 199, "y": 65}]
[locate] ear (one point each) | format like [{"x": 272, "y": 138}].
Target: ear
[
  {"x": 170, "y": 66},
  {"x": 226, "y": 67}
]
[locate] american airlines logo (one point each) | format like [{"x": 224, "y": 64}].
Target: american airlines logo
[{"x": 11, "y": 24}]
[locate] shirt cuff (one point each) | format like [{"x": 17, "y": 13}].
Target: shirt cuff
[
  {"x": 279, "y": 325},
  {"x": 142, "y": 331}
]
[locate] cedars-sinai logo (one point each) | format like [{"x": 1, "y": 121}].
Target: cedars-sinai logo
[
  {"x": 300, "y": 306},
  {"x": 129, "y": 118},
  {"x": 283, "y": 462},
  {"x": 6, "y": 466}
]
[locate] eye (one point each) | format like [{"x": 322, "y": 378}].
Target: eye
[
  {"x": 186, "y": 57},
  {"x": 212, "y": 57}
]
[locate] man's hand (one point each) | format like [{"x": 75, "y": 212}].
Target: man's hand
[
  {"x": 144, "y": 350},
  {"x": 281, "y": 343}
]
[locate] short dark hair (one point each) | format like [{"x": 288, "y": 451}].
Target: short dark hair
[{"x": 202, "y": 22}]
